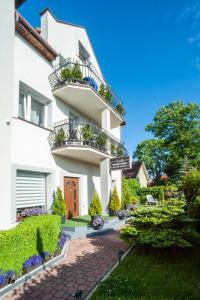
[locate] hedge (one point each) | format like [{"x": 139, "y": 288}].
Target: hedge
[
  {"x": 156, "y": 191},
  {"x": 31, "y": 237}
]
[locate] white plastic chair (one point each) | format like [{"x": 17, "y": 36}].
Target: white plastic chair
[{"x": 151, "y": 200}]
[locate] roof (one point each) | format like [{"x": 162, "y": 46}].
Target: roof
[
  {"x": 133, "y": 172},
  {"x": 59, "y": 21},
  {"x": 31, "y": 35},
  {"x": 19, "y": 2}
]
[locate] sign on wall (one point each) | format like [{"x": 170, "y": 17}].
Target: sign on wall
[{"x": 120, "y": 163}]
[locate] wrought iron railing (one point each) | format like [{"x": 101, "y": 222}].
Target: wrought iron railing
[
  {"x": 75, "y": 72},
  {"x": 71, "y": 133}
]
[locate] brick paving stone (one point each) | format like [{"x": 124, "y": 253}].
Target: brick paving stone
[{"x": 87, "y": 260}]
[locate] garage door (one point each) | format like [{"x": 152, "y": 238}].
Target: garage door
[{"x": 30, "y": 189}]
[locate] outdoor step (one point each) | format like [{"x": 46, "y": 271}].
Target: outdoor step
[{"x": 80, "y": 232}]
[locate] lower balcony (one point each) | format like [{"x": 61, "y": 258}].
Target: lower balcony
[{"x": 84, "y": 141}]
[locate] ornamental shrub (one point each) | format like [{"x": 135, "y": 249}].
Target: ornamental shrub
[
  {"x": 101, "y": 90},
  {"x": 76, "y": 72},
  {"x": 194, "y": 208},
  {"x": 162, "y": 226},
  {"x": 60, "y": 136},
  {"x": 87, "y": 132},
  {"x": 59, "y": 206},
  {"x": 31, "y": 237},
  {"x": 95, "y": 205},
  {"x": 66, "y": 74},
  {"x": 115, "y": 203}
]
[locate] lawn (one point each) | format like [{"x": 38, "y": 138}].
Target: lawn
[
  {"x": 156, "y": 275},
  {"x": 81, "y": 221}
]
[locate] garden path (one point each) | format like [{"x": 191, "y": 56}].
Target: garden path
[{"x": 87, "y": 261}]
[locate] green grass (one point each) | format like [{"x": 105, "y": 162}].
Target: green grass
[
  {"x": 81, "y": 221},
  {"x": 156, "y": 275}
]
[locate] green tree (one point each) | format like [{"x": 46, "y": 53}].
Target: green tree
[
  {"x": 152, "y": 153},
  {"x": 95, "y": 205},
  {"x": 176, "y": 128},
  {"x": 59, "y": 206}
]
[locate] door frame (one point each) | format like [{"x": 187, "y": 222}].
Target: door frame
[{"x": 75, "y": 177}]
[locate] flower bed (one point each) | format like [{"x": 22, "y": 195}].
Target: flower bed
[{"x": 30, "y": 244}]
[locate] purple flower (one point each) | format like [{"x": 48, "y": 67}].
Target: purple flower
[
  {"x": 6, "y": 276},
  {"x": 98, "y": 222},
  {"x": 36, "y": 211},
  {"x": 2, "y": 279},
  {"x": 32, "y": 261},
  {"x": 62, "y": 240}
]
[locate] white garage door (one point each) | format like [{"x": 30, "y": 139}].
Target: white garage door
[{"x": 30, "y": 189}]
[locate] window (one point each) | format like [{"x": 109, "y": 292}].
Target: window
[
  {"x": 37, "y": 112},
  {"x": 83, "y": 53},
  {"x": 22, "y": 100},
  {"x": 34, "y": 107}
]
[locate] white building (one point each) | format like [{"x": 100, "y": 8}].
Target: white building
[{"x": 56, "y": 128}]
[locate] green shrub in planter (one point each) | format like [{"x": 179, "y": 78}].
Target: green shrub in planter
[
  {"x": 115, "y": 203},
  {"x": 120, "y": 109},
  {"x": 31, "y": 237},
  {"x": 87, "y": 132},
  {"x": 95, "y": 205},
  {"x": 101, "y": 140},
  {"x": 66, "y": 74},
  {"x": 60, "y": 137},
  {"x": 59, "y": 206},
  {"x": 76, "y": 72},
  {"x": 101, "y": 90},
  {"x": 108, "y": 95}
]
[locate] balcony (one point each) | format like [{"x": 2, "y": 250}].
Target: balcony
[
  {"x": 84, "y": 141},
  {"x": 81, "y": 87}
]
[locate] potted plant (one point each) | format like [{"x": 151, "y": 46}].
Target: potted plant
[
  {"x": 120, "y": 151},
  {"x": 115, "y": 203},
  {"x": 120, "y": 109},
  {"x": 66, "y": 74},
  {"x": 95, "y": 209},
  {"x": 113, "y": 149},
  {"x": 98, "y": 223},
  {"x": 108, "y": 95},
  {"x": 101, "y": 90},
  {"x": 101, "y": 141},
  {"x": 87, "y": 133},
  {"x": 60, "y": 137},
  {"x": 59, "y": 206},
  {"x": 76, "y": 73}
]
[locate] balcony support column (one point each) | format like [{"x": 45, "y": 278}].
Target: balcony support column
[
  {"x": 105, "y": 176},
  {"x": 105, "y": 119}
]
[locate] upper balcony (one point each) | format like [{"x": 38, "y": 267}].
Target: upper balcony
[
  {"x": 81, "y": 87},
  {"x": 84, "y": 141}
]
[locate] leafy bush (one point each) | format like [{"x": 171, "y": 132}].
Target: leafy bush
[
  {"x": 76, "y": 72},
  {"x": 59, "y": 206},
  {"x": 31, "y": 237},
  {"x": 162, "y": 226},
  {"x": 60, "y": 136},
  {"x": 120, "y": 109},
  {"x": 87, "y": 132},
  {"x": 101, "y": 90},
  {"x": 66, "y": 74},
  {"x": 194, "y": 208},
  {"x": 95, "y": 205},
  {"x": 108, "y": 95},
  {"x": 115, "y": 203},
  {"x": 170, "y": 191},
  {"x": 101, "y": 140},
  {"x": 156, "y": 191},
  {"x": 130, "y": 190},
  {"x": 191, "y": 185}
]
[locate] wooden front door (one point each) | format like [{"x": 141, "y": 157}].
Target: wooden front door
[{"x": 71, "y": 196}]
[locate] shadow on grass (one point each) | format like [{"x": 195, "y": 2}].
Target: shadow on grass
[{"x": 88, "y": 260}]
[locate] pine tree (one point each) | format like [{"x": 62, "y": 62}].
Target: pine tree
[
  {"x": 59, "y": 206},
  {"x": 115, "y": 203},
  {"x": 184, "y": 169},
  {"x": 95, "y": 205}
]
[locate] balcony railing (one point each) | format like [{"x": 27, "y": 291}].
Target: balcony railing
[
  {"x": 81, "y": 74},
  {"x": 71, "y": 133}
]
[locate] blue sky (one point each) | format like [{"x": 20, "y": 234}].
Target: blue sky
[{"x": 149, "y": 51}]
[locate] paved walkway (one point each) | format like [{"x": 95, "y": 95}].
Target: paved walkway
[{"x": 87, "y": 261}]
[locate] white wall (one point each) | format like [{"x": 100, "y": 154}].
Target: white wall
[
  {"x": 6, "y": 102},
  {"x": 64, "y": 38}
]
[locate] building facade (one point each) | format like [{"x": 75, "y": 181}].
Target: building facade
[
  {"x": 60, "y": 122},
  {"x": 138, "y": 172}
]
